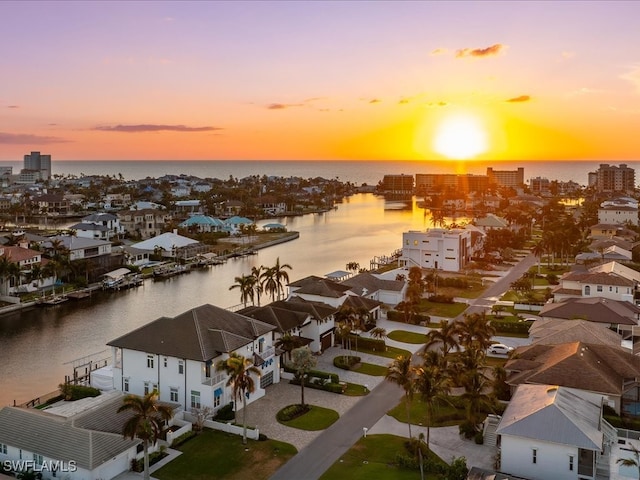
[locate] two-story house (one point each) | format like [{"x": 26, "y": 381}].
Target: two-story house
[
  {"x": 178, "y": 356},
  {"x": 448, "y": 250},
  {"x": 144, "y": 223},
  {"x": 100, "y": 226}
]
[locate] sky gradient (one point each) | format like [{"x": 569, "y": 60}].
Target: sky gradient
[{"x": 319, "y": 80}]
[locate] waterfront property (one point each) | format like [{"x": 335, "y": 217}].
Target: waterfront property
[
  {"x": 178, "y": 356},
  {"x": 440, "y": 249},
  {"x": 77, "y": 440}
]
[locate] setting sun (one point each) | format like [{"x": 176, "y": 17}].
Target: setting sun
[{"x": 460, "y": 137}]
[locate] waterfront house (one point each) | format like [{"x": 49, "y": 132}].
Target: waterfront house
[
  {"x": 270, "y": 205},
  {"x": 235, "y": 225},
  {"x": 203, "y": 224},
  {"x": 64, "y": 443},
  {"x": 552, "y": 432},
  {"x": 373, "y": 286},
  {"x": 172, "y": 245},
  {"x": 437, "y": 248},
  {"x": 52, "y": 203},
  {"x": 317, "y": 289},
  {"x": 603, "y": 369},
  {"x": 178, "y": 356},
  {"x": 100, "y": 226},
  {"x": 320, "y": 330},
  {"x": 144, "y": 223},
  {"x": 25, "y": 259}
]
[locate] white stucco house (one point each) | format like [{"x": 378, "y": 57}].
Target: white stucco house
[
  {"x": 178, "y": 356},
  {"x": 442, "y": 249},
  {"x": 550, "y": 432},
  {"x": 619, "y": 211},
  {"x": 100, "y": 226}
]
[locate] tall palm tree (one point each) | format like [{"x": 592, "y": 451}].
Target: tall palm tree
[
  {"x": 268, "y": 283},
  {"x": 403, "y": 373},
  {"x": 147, "y": 421},
  {"x": 476, "y": 331},
  {"x": 287, "y": 342},
  {"x": 281, "y": 276},
  {"x": 256, "y": 273},
  {"x": 434, "y": 386},
  {"x": 477, "y": 396},
  {"x": 538, "y": 250},
  {"x": 5, "y": 266},
  {"x": 446, "y": 336},
  {"x": 240, "y": 370},
  {"x": 246, "y": 284}
]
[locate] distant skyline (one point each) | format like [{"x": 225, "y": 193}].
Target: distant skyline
[{"x": 296, "y": 80}]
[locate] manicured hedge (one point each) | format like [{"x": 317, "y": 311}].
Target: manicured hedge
[
  {"x": 316, "y": 373},
  {"x": 72, "y": 392},
  {"x": 511, "y": 327},
  {"x": 346, "y": 362},
  {"x": 396, "y": 316}
]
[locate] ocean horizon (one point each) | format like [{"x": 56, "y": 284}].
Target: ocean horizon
[{"x": 359, "y": 172}]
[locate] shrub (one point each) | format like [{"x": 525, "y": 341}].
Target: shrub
[
  {"x": 552, "y": 278},
  {"x": 502, "y": 326},
  {"x": 72, "y": 392},
  {"x": 346, "y": 362},
  {"x": 183, "y": 438},
  {"x": 467, "y": 429},
  {"x": 458, "y": 469},
  {"x": 479, "y": 438},
  {"x": 441, "y": 299},
  {"x": 262, "y": 437},
  {"x": 291, "y": 411},
  {"x": 226, "y": 413}
]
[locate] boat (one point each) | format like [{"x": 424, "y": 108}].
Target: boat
[
  {"x": 169, "y": 270},
  {"x": 54, "y": 299},
  {"x": 120, "y": 279}
]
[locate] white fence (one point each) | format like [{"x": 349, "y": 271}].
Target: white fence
[
  {"x": 225, "y": 427},
  {"x": 184, "y": 428}
]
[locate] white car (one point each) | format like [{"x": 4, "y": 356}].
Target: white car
[
  {"x": 500, "y": 348},
  {"x": 529, "y": 319}
]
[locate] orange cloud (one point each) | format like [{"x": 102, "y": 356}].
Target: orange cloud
[
  {"x": 480, "y": 52},
  {"x": 375, "y": 100},
  {"x": 439, "y": 51},
  {"x": 282, "y": 106},
  {"x": 28, "y": 139},
  {"x": 154, "y": 128},
  {"x": 521, "y": 98},
  {"x": 13, "y": 106}
]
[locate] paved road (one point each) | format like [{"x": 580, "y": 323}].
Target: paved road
[{"x": 313, "y": 460}]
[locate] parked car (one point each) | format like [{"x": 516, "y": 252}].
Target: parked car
[
  {"x": 500, "y": 348},
  {"x": 529, "y": 319}
]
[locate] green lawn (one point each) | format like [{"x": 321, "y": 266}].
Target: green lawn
[
  {"x": 317, "y": 418},
  {"x": 390, "y": 352},
  {"x": 407, "y": 337},
  {"x": 374, "y": 458},
  {"x": 224, "y": 454},
  {"x": 474, "y": 290},
  {"x": 445, "y": 414},
  {"x": 371, "y": 369},
  {"x": 442, "y": 309},
  {"x": 355, "y": 390}
]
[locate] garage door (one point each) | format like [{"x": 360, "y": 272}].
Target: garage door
[
  {"x": 266, "y": 380},
  {"x": 325, "y": 342}
]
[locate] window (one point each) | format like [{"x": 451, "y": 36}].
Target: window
[
  {"x": 599, "y": 288},
  {"x": 3, "y": 448},
  {"x": 155, "y": 387},
  {"x": 37, "y": 459},
  {"x": 534, "y": 455},
  {"x": 195, "y": 399},
  {"x": 181, "y": 367},
  {"x": 149, "y": 361},
  {"x": 587, "y": 290},
  {"x": 173, "y": 395},
  {"x": 125, "y": 385},
  {"x": 216, "y": 402},
  {"x": 415, "y": 243},
  {"x": 146, "y": 388},
  {"x": 571, "y": 463},
  {"x": 166, "y": 362}
]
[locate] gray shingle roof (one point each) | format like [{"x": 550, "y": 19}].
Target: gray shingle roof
[
  {"x": 372, "y": 284},
  {"x": 200, "y": 334},
  {"x": 282, "y": 318},
  {"x": 593, "y": 309}
]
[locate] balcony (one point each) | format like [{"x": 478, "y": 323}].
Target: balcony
[
  {"x": 211, "y": 381},
  {"x": 267, "y": 353}
]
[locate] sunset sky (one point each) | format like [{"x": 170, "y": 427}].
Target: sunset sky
[{"x": 320, "y": 80}]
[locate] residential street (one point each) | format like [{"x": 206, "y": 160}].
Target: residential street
[{"x": 313, "y": 460}]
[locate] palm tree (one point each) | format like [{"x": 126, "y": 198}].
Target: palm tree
[
  {"x": 446, "y": 335},
  {"x": 403, "y": 373},
  {"x": 281, "y": 276},
  {"x": 476, "y": 331},
  {"x": 268, "y": 283},
  {"x": 434, "y": 386},
  {"x": 147, "y": 421},
  {"x": 631, "y": 462},
  {"x": 256, "y": 273},
  {"x": 476, "y": 399},
  {"x": 239, "y": 370},
  {"x": 246, "y": 284},
  {"x": 287, "y": 342},
  {"x": 379, "y": 333},
  {"x": 538, "y": 250},
  {"x": 303, "y": 361}
]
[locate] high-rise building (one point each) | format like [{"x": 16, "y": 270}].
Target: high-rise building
[
  {"x": 506, "y": 178},
  {"x": 612, "y": 179},
  {"x": 35, "y": 162}
]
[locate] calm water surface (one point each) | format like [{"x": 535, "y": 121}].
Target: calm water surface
[{"x": 36, "y": 344}]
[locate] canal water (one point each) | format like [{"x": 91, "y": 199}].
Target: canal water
[{"x": 37, "y": 344}]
